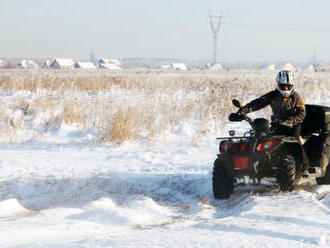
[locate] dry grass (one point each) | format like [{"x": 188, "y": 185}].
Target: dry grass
[
  {"x": 138, "y": 105},
  {"x": 120, "y": 128}
]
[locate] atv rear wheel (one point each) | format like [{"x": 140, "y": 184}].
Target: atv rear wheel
[
  {"x": 223, "y": 184},
  {"x": 286, "y": 172}
]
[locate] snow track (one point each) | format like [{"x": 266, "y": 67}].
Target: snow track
[
  {"x": 42, "y": 193},
  {"x": 105, "y": 196}
]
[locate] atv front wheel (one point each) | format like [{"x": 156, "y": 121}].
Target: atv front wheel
[
  {"x": 223, "y": 185},
  {"x": 286, "y": 172}
]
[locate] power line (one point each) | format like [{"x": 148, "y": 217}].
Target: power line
[{"x": 279, "y": 27}]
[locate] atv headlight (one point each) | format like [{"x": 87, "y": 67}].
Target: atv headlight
[{"x": 223, "y": 147}]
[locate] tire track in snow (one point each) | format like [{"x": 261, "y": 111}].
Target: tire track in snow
[{"x": 41, "y": 193}]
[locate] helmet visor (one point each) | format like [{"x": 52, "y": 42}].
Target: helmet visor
[{"x": 286, "y": 86}]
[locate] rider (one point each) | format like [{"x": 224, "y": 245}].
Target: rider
[{"x": 287, "y": 106}]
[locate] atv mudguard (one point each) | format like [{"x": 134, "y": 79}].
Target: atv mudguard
[{"x": 317, "y": 120}]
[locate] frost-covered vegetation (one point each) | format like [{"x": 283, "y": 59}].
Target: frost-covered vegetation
[{"x": 133, "y": 105}]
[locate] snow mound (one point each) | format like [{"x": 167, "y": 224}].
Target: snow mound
[
  {"x": 135, "y": 212},
  {"x": 11, "y": 208},
  {"x": 324, "y": 240},
  {"x": 68, "y": 134},
  {"x": 326, "y": 200},
  {"x": 323, "y": 196}
]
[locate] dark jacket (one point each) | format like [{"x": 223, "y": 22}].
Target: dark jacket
[{"x": 284, "y": 108}]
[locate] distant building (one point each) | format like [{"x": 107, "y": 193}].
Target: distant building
[
  {"x": 311, "y": 67},
  {"x": 289, "y": 67},
  {"x": 84, "y": 65},
  {"x": 165, "y": 67},
  {"x": 179, "y": 66},
  {"x": 322, "y": 67},
  {"x": 285, "y": 66},
  {"x": 47, "y": 64},
  {"x": 3, "y": 63},
  {"x": 271, "y": 67},
  {"x": 27, "y": 64},
  {"x": 110, "y": 64},
  {"x": 60, "y": 63},
  {"x": 109, "y": 61},
  {"x": 213, "y": 67}
]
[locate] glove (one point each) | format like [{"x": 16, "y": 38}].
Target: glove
[
  {"x": 286, "y": 123},
  {"x": 243, "y": 110}
]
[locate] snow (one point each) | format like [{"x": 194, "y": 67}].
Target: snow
[
  {"x": 59, "y": 188},
  {"x": 134, "y": 196},
  {"x": 12, "y": 208}
]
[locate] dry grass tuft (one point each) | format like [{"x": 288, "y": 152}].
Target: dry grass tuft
[{"x": 119, "y": 128}]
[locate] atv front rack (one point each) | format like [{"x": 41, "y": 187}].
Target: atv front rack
[
  {"x": 236, "y": 137},
  {"x": 249, "y": 134}
]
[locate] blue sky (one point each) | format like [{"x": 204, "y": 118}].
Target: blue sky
[{"x": 164, "y": 29}]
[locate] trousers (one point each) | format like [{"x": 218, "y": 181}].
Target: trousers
[{"x": 295, "y": 131}]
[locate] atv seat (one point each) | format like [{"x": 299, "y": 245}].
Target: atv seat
[{"x": 317, "y": 120}]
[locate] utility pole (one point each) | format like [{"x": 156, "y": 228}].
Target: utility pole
[
  {"x": 215, "y": 28},
  {"x": 92, "y": 57},
  {"x": 314, "y": 56}
]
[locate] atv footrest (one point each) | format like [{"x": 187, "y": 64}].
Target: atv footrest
[{"x": 315, "y": 170}]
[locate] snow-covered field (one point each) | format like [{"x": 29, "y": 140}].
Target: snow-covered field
[{"x": 61, "y": 185}]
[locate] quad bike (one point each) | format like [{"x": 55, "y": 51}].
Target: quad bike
[{"x": 262, "y": 153}]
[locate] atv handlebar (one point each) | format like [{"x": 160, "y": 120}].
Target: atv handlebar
[{"x": 234, "y": 117}]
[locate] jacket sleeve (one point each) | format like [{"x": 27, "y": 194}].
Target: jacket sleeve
[
  {"x": 299, "y": 111},
  {"x": 260, "y": 102}
]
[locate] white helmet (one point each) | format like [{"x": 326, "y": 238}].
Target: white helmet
[{"x": 285, "y": 80}]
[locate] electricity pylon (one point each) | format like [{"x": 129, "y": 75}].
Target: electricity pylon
[{"x": 215, "y": 31}]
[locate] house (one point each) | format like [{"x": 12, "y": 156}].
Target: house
[
  {"x": 3, "y": 63},
  {"x": 109, "y": 61},
  {"x": 27, "y": 64},
  {"x": 60, "y": 63},
  {"x": 285, "y": 66},
  {"x": 47, "y": 64},
  {"x": 84, "y": 65},
  {"x": 109, "y": 66},
  {"x": 165, "y": 66},
  {"x": 311, "y": 67},
  {"x": 289, "y": 67},
  {"x": 317, "y": 66},
  {"x": 271, "y": 67},
  {"x": 179, "y": 66},
  {"x": 213, "y": 67},
  {"x": 322, "y": 67}
]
